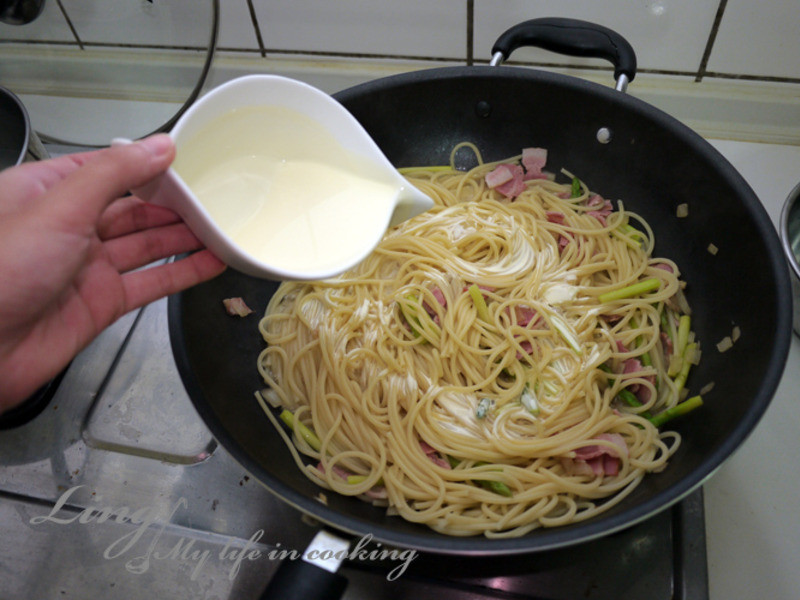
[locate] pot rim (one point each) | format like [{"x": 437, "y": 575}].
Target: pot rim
[
  {"x": 26, "y": 120},
  {"x": 601, "y": 525},
  {"x": 792, "y": 202}
]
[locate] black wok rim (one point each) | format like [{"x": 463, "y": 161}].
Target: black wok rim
[{"x": 602, "y": 525}]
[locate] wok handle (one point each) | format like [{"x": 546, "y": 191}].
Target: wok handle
[
  {"x": 572, "y": 37},
  {"x": 298, "y": 579},
  {"x": 314, "y": 576}
]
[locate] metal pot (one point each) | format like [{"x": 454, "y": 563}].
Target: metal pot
[
  {"x": 790, "y": 236},
  {"x": 18, "y": 142},
  {"x": 623, "y": 148},
  {"x": 20, "y": 12}
]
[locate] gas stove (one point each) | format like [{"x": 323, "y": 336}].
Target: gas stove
[{"x": 118, "y": 490}]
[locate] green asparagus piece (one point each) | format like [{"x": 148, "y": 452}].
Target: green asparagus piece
[
  {"x": 356, "y": 479},
  {"x": 677, "y": 411},
  {"x": 629, "y": 291},
  {"x": 576, "y": 191},
  {"x": 480, "y": 303},
  {"x": 684, "y": 329},
  {"x": 630, "y": 399},
  {"x": 295, "y": 425},
  {"x": 686, "y": 365},
  {"x": 435, "y": 169},
  {"x": 411, "y": 316},
  {"x": 498, "y": 487}
]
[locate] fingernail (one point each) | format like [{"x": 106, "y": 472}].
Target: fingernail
[{"x": 157, "y": 145}]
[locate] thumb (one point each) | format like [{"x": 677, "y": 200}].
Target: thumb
[{"x": 110, "y": 173}]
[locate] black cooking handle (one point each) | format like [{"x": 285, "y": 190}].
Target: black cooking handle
[
  {"x": 572, "y": 37},
  {"x": 298, "y": 579},
  {"x": 314, "y": 576}
]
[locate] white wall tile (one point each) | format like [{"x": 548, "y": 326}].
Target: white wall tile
[
  {"x": 758, "y": 38},
  {"x": 168, "y": 22},
  {"x": 666, "y": 35},
  {"x": 400, "y": 28},
  {"x": 236, "y": 28},
  {"x": 50, "y": 25}
]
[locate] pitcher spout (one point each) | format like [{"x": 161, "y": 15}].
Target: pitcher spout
[{"x": 410, "y": 203}]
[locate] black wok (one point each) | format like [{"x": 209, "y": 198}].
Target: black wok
[{"x": 652, "y": 162}]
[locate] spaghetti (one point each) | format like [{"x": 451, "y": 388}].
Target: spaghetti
[{"x": 500, "y": 363}]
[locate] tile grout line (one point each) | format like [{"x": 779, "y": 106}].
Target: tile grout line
[
  {"x": 718, "y": 75},
  {"x": 257, "y": 27},
  {"x": 470, "y": 32},
  {"x": 428, "y": 59},
  {"x": 712, "y": 36},
  {"x": 357, "y": 55},
  {"x": 69, "y": 24}
]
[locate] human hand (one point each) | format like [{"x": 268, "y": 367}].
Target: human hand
[{"x": 71, "y": 248}]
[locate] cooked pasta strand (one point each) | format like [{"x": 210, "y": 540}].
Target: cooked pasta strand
[{"x": 411, "y": 367}]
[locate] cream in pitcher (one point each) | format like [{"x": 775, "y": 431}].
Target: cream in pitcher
[
  {"x": 284, "y": 189},
  {"x": 280, "y": 181}
]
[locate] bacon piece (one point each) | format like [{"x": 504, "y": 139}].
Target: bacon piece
[
  {"x": 593, "y": 467},
  {"x": 534, "y": 160},
  {"x": 377, "y": 492},
  {"x": 610, "y": 465},
  {"x": 439, "y": 295},
  {"x": 602, "y": 208},
  {"x": 236, "y": 307},
  {"x": 617, "y": 440},
  {"x": 577, "y": 467},
  {"x": 611, "y": 318},
  {"x": 643, "y": 393},
  {"x": 554, "y": 216},
  {"x": 527, "y": 348},
  {"x": 526, "y": 316},
  {"x": 515, "y": 186},
  {"x": 336, "y": 469},
  {"x": 666, "y": 342},
  {"x": 596, "y": 459},
  {"x": 507, "y": 179},
  {"x": 595, "y": 201},
  {"x": 618, "y": 448},
  {"x": 500, "y": 175},
  {"x": 634, "y": 365},
  {"x": 426, "y": 447},
  {"x": 433, "y": 455}
]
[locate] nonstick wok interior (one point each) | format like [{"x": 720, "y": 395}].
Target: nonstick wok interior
[{"x": 652, "y": 163}]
